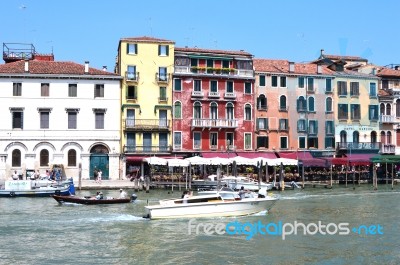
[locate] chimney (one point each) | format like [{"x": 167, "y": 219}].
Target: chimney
[
  {"x": 291, "y": 67},
  {"x": 26, "y": 66},
  {"x": 319, "y": 69},
  {"x": 87, "y": 67},
  {"x": 105, "y": 68},
  {"x": 396, "y": 67},
  {"x": 373, "y": 71},
  {"x": 322, "y": 52}
]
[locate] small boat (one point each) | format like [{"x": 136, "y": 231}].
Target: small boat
[
  {"x": 32, "y": 188},
  {"x": 210, "y": 205},
  {"x": 89, "y": 200}
]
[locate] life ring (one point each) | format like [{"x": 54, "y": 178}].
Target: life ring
[
  {"x": 12, "y": 194},
  {"x": 57, "y": 192}
]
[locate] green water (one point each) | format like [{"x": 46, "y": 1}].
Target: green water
[{"x": 39, "y": 231}]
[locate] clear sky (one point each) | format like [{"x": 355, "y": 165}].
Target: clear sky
[{"x": 80, "y": 30}]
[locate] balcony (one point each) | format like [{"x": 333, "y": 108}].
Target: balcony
[
  {"x": 149, "y": 149},
  {"x": 197, "y": 94},
  {"x": 162, "y": 78},
  {"x": 357, "y": 146},
  {"x": 132, "y": 77},
  {"x": 213, "y": 71},
  {"x": 146, "y": 124},
  {"x": 214, "y": 123},
  {"x": 386, "y": 119},
  {"x": 229, "y": 95},
  {"x": 162, "y": 99},
  {"x": 388, "y": 149},
  {"x": 213, "y": 94}
]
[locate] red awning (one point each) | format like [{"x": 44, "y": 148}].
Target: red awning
[
  {"x": 140, "y": 158},
  {"x": 218, "y": 154},
  {"x": 252, "y": 155},
  {"x": 360, "y": 159},
  {"x": 296, "y": 155}
]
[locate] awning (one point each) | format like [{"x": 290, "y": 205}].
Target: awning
[
  {"x": 386, "y": 159},
  {"x": 305, "y": 157},
  {"x": 252, "y": 155},
  {"x": 218, "y": 154},
  {"x": 140, "y": 158},
  {"x": 360, "y": 159}
]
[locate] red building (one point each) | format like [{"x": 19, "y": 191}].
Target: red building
[{"x": 213, "y": 101}]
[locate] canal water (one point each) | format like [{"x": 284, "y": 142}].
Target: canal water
[{"x": 39, "y": 231}]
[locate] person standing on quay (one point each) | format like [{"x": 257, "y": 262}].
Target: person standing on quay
[{"x": 99, "y": 176}]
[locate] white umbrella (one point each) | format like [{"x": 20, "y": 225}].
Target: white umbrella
[
  {"x": 219, "y": 161},
  {"x": 198, "y": 160},
  {"x": 244, "y": 161},
  {"x": 153, "y": 160},
  {"x": 287, "y": 161},
  {"x": 175, "y": 162}
]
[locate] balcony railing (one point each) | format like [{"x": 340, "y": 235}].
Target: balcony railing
[
  {"x": 162, "y": 78},
  {"x": 388, "y": 149},
  {"x": 357, "y": 146},
  {"x": 213, "y": 71},
  {"x": 213, "y": 94},
  {"x": 386, "y": 119},
  {"x": 215, "y": 123},
  {"x": 197, "y": 94},
  {"x": 131, "y": 76},
  {"x": 147, "y": 149},
  {"x": 229, "y": 95},
  {"x": 162, "y": 99},
  {"x": 146, "y": 124}
]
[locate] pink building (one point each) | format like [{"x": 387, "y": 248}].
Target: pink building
[{"x": 213, "y": 101}]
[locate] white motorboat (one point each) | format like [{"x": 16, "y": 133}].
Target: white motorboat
[
  {"x": 237, "y": 183},
  {"x": 211, "y": 205},
  {"x": 32, "y": 188}
]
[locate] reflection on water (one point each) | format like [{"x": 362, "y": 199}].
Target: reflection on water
[{"x": 39, "y": 231}]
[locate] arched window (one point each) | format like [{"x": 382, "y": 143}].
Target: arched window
[
  {"x": 388, "y": 109},
  {"x": 262, "y": 102},
  {"x": 389, "y": 137},
  {"x": 311, "y": 104},
  {"x": 301, "y": 104},
  {"x": 343, "y": 137},
  {"x": 44, "y": 158},
  {"x": 382, "y": 109},
  {"x": 247, "y": 112},
  {"x": 398, "y": 108},
  {"x": 16, "y": 158},
  {"x": 213, "y": 111},
  {"x": 356, "y": 137},
  {"x": 282, "y": 103},
  {"x": 177, "y": 110},
  {"x": 373, "y": 137},
  {"x": 72, "y": 158},
  {"x": 329, "y": 106},
  {"x": 197, "y": 110},
  {"x": 229, "y": 111},
  {"x": 383, "y": 137}
]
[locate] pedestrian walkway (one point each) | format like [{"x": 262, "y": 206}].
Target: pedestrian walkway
[{"x": 87, "y": 184}]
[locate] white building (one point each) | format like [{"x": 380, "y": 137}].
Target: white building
[{"x": 59, "y": 113}]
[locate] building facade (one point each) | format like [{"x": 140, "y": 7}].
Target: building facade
[
  {"x": 58, "y": 113},
  {"x": 146, "y": 65},
  {"x": 213, "y": 101},
  {"x": 294, "y": 107}
]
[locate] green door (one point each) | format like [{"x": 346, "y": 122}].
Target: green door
[{"x": 101, "y": 162}]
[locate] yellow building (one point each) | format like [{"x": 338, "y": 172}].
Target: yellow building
[{"x": 146, "y": 93}]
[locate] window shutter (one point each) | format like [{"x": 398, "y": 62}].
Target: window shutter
[
  {"x": 167, "y": 50},
  {"x": 127, "y": 48},
  {"x": 159, "y": 49},
  {"x": 135, "y": 92},
  {"x": 136, "y": 48}
]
